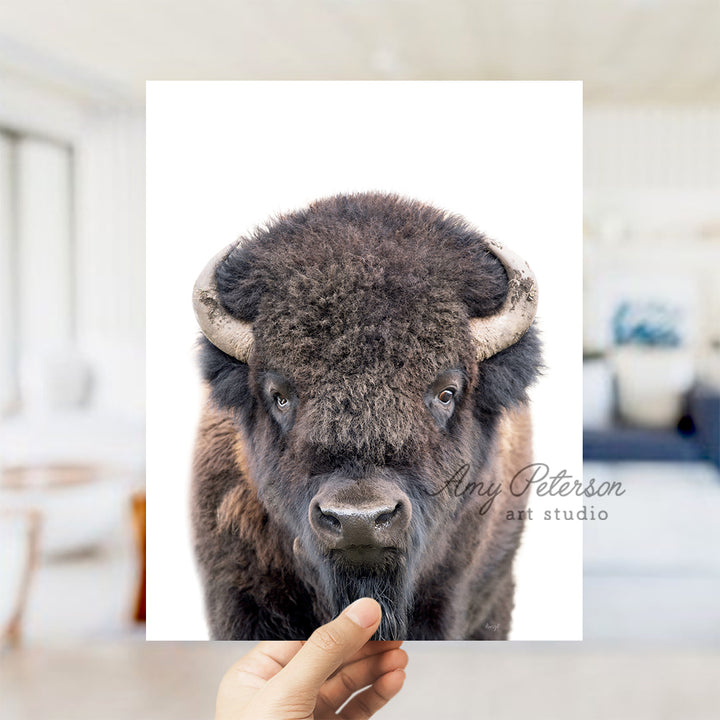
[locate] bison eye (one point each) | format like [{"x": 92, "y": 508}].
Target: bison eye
[
  {"x": 444, "y": 395},
  {"x": 281, "y": 402}
]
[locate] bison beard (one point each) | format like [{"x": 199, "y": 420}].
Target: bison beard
[
  {"x": 387, "y": 583},
  {"x": 357, "y": 353}
]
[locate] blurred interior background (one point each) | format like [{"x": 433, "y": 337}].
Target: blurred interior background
[
  {"x": 652, "y": 369},
  {"x": 72, "y": 295}
]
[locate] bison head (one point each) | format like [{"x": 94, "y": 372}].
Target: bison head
[{"x": 367, "y": 346}]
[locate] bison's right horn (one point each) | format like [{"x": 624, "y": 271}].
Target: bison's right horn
[
  {"x": 503, "y": 329},
  {"x": 234, "y": 337}
]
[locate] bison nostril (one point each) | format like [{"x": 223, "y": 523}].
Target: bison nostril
[
  {"x": 328, "y": 521},
  {"x": 386, "y": 517}
]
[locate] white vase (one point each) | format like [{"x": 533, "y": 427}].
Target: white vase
[{"x": 652, "y": 383}]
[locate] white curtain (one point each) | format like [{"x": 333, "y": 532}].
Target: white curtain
[
  {"x": 45, "y": 267},
  {"x": 110, "y": 257},
  {"x": 8, "y": 325}
]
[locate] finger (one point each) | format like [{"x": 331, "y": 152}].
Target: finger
[
  {"x": 279, "y": 652},
  {"x": 369, "y": 701},
  {"x": 351, "y": 678},
  {"x": 326, "y": 650},
  {"x": 267, "y": 658},
  {"x": 264, "y": 661},
  {"x": 354, "y": 676},
  {"x": 372, "y": 647},
  {"x": 270, "y": 656}
]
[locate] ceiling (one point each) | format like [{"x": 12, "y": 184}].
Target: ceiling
[{"x": 624, "y": 50}]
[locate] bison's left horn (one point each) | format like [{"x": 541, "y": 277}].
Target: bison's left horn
[
  {"x": 501, "y": 330},
  {"x": 226, "y": 332}
]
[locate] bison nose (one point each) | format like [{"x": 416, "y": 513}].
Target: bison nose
[{"x": 339, "y": 526}]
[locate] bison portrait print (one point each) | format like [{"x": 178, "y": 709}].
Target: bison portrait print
[{"x": 367, "y": 361}]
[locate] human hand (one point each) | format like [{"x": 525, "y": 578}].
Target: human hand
[{"x": 311, "y": 680}]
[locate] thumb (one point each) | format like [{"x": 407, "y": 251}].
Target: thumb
[{"x": 326, "y": 650}]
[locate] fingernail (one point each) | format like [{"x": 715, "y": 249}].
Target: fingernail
[{"x": 364, "y": 612}]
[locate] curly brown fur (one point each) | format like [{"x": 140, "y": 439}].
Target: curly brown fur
[{"x": 359, "y": 303}]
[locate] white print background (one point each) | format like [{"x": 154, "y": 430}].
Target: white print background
[{"x": 223, "y": 157}]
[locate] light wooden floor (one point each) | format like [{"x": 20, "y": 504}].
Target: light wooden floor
[
  {"x": 493, "y": 681},
  {"x": 652, "y": 569}
]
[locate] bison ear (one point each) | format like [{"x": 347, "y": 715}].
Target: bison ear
[
  {"x": 504, "y": 378},
  {"x": 227, "y": 377}
]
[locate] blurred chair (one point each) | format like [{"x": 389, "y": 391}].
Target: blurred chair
[
  {"x": 138, "y": 511},
  {"x": 19, "y": 536}
]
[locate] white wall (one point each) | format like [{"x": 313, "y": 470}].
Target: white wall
[
  {"x": 652, "y": 147},
  {"x": 652, "y": 210}
]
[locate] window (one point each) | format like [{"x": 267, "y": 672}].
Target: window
[{"x": 37, "y": 268}]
